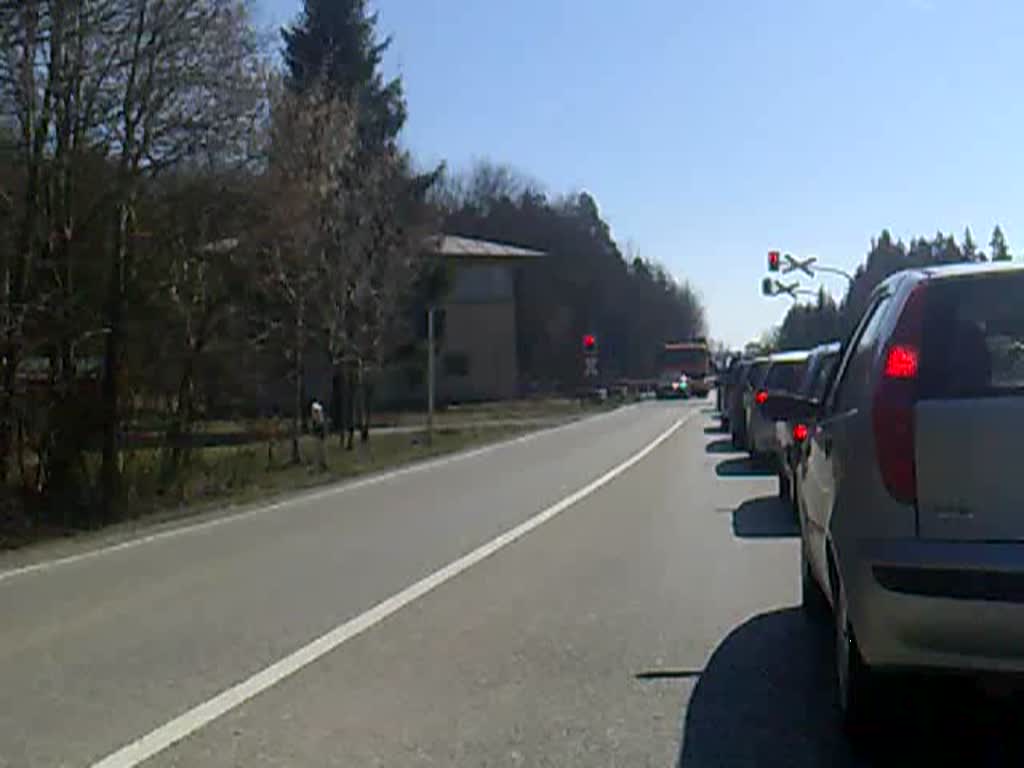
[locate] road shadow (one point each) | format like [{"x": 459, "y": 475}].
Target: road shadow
[
  {"x": 766, "y": 517},
  {"x": 723, "y": 445},
  {"x": 714, "y": 429},
  {"x": 742, "y": 466},
  {"x": 767, "y": 698}
]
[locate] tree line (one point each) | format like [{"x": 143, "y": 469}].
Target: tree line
[
  {"x": 808, "y": 324},
  {"x": 189, "y": 224}
]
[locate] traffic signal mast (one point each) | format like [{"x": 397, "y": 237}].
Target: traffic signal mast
[{"x": 785, "y": 263}]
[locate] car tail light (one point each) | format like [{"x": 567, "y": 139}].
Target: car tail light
[
  {"x": 901, "y": 362},
  {"x": 893, "y": 413},
  {"x": 800, "y": 432},
  {"x": 761, "y": 397}
]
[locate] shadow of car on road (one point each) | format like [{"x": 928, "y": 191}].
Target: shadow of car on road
[
  {"x": 720, "y": 446},
  {"x": 742, "y": 466},
  {"x": 765, "y": 517},
  {"x": 767, "y": 698}
]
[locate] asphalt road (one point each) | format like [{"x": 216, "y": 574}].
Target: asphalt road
[{"x": 620, "y": 591}]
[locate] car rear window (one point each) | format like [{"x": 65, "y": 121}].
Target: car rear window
[
  {"x": 756, "y": 373},
  {"x": 785, "y": 376},
  {"x": 974, "y": 338},
  {"x": 816, "y": 377},
  {"x": 826, "y": 365}
]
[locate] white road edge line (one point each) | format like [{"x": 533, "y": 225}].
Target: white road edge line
[
  {"x": 333, "y": 490},
  {"x": 170, "y": 733}
]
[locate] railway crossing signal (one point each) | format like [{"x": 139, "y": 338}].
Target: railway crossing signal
[
  {"x": 771, "y": 287},
  {"x": 784, "y": 263}
]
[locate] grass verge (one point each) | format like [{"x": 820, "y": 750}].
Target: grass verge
[{"x": 226, "y": 477}]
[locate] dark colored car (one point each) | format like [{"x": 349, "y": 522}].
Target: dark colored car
[
  {"x": 750, "y": 376},
  {"x": 792, "y": 434},
  {"x": 726, "y": 382},
  {"x": 672, "y": 386},
  {"x": 733, "y": 396}
]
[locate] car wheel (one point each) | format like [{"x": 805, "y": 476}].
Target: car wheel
[
  {"x": 784, "y": 487},
  {"x": 741, "y": 436},
  {"x": 812, "y": 598},
  {"x": 855, "y": 680}
]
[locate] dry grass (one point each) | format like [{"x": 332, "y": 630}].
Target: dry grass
[
  {"x": 220, "y": 476},
  {"x": 513, "y": 410}
]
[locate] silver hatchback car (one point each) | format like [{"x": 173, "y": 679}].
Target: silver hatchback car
[{"x": 912, "y": 515}]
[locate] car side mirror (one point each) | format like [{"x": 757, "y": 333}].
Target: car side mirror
[{"x": 779, "y": 407}]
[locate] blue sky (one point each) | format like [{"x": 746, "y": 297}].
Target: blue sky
[{"x": 712, "y": 130}]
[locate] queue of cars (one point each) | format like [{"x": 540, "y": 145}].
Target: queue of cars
[{"x": 900, "y": 466}]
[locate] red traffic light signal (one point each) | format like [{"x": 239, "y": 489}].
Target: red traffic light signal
[
  {"x": 589, "y": 342},
  {"x": 774, "y": 258}
]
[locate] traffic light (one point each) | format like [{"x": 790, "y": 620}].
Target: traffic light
[
  {"x": 768, "y": 287},
  {"x": 774, "y": 259},
  {"x": 589, "y": 342}
]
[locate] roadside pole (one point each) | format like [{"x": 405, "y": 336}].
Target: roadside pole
[{"x": 430, "y": 375}]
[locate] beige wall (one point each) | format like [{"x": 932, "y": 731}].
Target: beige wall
[{"x": 485, "y": 334}]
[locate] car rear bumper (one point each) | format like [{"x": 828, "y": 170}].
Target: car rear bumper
[
  {"x": 668, "y": 392},
  {"x": 763, "y": 439},
  {"x": 938, "y": 605}
]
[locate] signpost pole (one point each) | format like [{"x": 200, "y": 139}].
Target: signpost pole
[{"x": 430, "y": 375}]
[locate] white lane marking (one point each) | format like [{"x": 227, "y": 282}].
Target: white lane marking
[
  {"x": 342, "y": 487},
  {"x": 166, "y": 735}
]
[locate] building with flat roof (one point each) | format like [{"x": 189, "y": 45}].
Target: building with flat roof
[{"x": 477, "y": 350}]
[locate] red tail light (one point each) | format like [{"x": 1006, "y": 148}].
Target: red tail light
[
  {"x": 901, "y": 362},
  {"x": 893, "y": 414},
  {"x": 761, "y": 397},
  {"x": 800, "y": 432}
]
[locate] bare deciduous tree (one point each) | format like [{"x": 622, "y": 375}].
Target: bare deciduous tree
[
  {"x": 312, "y": 135},
  {"x": 185, "y": 85},
  {"x": 128, "y": 87}
]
